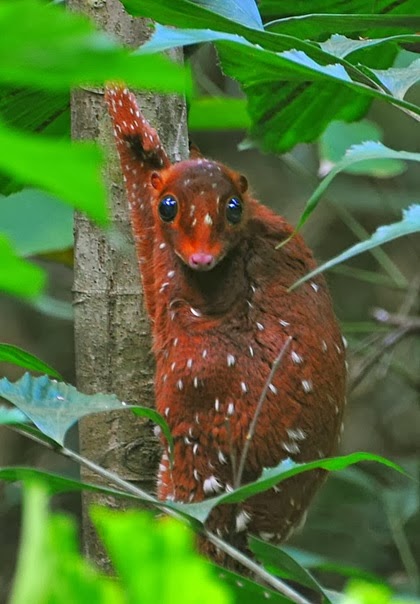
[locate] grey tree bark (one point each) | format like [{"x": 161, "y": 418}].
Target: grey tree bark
[{"x": 111, "y": 327}]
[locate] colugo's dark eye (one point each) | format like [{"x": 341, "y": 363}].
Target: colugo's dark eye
[
  {"x": 234, "y": 210},
  {"x": 168, "y": 208}
]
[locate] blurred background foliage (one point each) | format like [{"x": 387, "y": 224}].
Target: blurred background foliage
[{"x": 366, "y": 520}]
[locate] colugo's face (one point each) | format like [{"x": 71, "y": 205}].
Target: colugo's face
[{"x": 201, "y": 210}]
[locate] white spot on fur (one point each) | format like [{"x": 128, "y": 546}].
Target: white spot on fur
[
  {"x": 208, "y": 219},
  {"x": 231, "y": 409},
  {"x": 260, "y": 326},
  {"x": 297, "y": 434},
  {"x": 307, "y": 386},
  {"x": 244, "y": 387},
  {"x": 291, "y": 448},
  {"x": 230, "y": 360},
  {"x": 273, "y": 388},
  {"x": 180, "y": 384},
  {"x": 212, "y": 485},
  {"x": 217, "y": 404},
  {"x": 242, "y": 521},
  {"x": 221, "y": 457},
  {"x": 296, "y": 358}
]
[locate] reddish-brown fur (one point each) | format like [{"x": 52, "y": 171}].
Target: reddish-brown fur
[{"x": 217, "y": 332}]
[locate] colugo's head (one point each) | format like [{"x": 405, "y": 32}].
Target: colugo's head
[{"x": 201, "y": 209}]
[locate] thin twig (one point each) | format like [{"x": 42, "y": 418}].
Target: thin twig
[
  {"x": 253, "y": 425},
  {"x": 254, "y": 567}
]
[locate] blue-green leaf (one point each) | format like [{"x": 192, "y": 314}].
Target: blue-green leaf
[
  {"x": 36, "y": 222},
  {"x": 409, "y": 224},
  {"x": 54, "y": 406},
  {"x": 9, "y": 415}
]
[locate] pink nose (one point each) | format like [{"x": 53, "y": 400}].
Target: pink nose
[{"x": 201, "y": 261}]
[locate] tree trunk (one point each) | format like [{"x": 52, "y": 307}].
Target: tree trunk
[{"x": 111, "y": 327}]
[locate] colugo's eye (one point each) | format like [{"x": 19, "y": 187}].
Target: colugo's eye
[
  {"x": 234, "y": 210},
  {"x": 168, "y": 208}
]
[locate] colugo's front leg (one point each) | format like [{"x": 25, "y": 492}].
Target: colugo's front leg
[{"x": 142, "y": 157}]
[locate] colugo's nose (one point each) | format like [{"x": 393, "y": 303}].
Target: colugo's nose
[{"x": 201, "y": 261}]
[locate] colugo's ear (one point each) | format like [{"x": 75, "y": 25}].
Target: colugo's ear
[
  {"x": 195, "y": 152},
  {"x": 156, "y": 181},
  {"x": 242, "y": 183}
]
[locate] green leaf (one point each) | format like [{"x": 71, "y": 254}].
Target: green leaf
[
  {"x": 239, "y": 11},
  {"x": 11, "y": 416},
  {"x": 313, "y": 26},
  {"x": 369, "y": 150},
  {"x": 339, "y": 137},
  {"x": 271, "y": 477},
  {"x": 47, "y": 47},
  {"x": 291, "y": 96},
  {"x": 50, "y": 566},
  {"x": 218, "y": 113},
  {"x": 55, "y": 483},
  {"x": 341, "y": 47},
  {"x": 19, "y": 277},
  {"x": 399, "y": 80},
  {"x": 35, "y": 222},
  {"x": 310, "y": 560},
  {"x": 282, "y": 564},
  {"x": 53, "y": 307},
  {"x": 52, "y": 165},
  {"x": 166, "y": 562},
  {"x": 54, "y": 406},
  {"x": 300, "y": 7},
  {"x": 17, "y": 356},
  {"x": 409, "y": 224}
]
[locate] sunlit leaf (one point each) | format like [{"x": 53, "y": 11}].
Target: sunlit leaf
[
  {"x": 17, "y": 276},
  {"x": 409, "y": 224},
  {"x": 18, "y": 356},
  {"x": 48, "y": 47},
  {"x": 218, "y": 113},
  {"x": 165, "y": 559},
  {"x": 52, "y": 164},
  {"x": 50, "y": 566}
]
